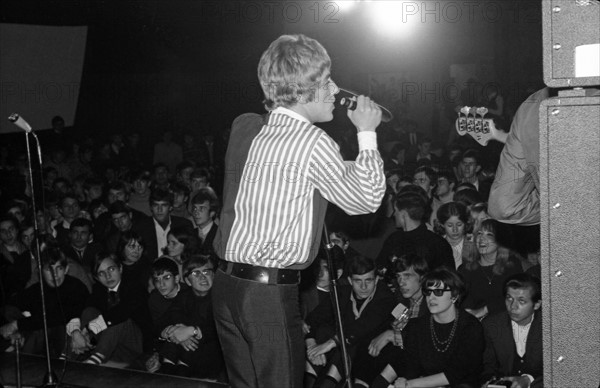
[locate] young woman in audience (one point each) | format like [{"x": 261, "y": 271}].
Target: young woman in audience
[
  {"x": 454, "y": 221},
  {"x": 485, "y": 274},
  {"x": 181, "y": 240},
  {"x": 445, "y": 347},
  {"x": 136, "y": 266}
]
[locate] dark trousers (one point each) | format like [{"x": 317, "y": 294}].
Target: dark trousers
[
  {"x": 367, "y": 367},
  {"x": 35, "y": 341},
  {"x": 121, "y": 342},
  {"x": 260, "y": 331}
]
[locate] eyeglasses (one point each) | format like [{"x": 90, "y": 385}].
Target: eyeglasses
[
  {"x": 436, "y": 291},
  {"x": 205, "y": 272}
]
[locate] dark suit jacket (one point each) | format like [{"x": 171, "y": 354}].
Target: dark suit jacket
[
  {"x": 374, "y": 319},
  {"x": 89, "y": 255},
  {"x": 132, "y": 305},
  {"x": 148, "y": 233},
  {"x": 500, "y": 348},
  {"x": 207, "y": 244}
]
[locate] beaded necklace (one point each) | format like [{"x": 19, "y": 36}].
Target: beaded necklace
[{"x": 439, "y": 345}]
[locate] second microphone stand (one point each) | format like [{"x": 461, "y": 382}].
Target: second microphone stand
[{"x": 336, "y": 308}]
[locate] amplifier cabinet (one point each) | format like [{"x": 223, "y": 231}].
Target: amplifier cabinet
[
  {"x": 570, "y": 239},
  {"x": 568, "y": 24}
]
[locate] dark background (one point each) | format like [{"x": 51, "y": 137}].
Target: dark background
[{"x": 191, "y": 65}]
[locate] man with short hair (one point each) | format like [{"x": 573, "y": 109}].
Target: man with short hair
[
  {"x": 365, "y": 307},
  {"x": 385, "y": 351},
  {"x": 160, "y": 177},
  {"x": 470, "y": 166},
  {"x": 65, "y": 298},
  {"x": 445, "y": 188},
  {"x": 414, "y": 237},
  {"x": 204, "y": 208},
  {"x": 69, "y": 209},
  {"x": 168, "y": 286},
  {"x": 514, "y": 347},
  {"x": 140, "y": 196},
  {"x": 272, "y": 217},
  {"x": 81, "y": 250},
  {"x": 15, "y": 260},
  {"x": 122, "y": 220},
  {"x": 154, "y": 229},
  {"x": 193, "y": 349},
  {"x": 181, "y": 197}
]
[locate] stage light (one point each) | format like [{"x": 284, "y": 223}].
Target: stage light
[
  {"x": 394, "y": 18},
  {"x": 345, "y": 5}
]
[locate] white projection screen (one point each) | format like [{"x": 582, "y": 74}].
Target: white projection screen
[{"x": 40, "y": 73}]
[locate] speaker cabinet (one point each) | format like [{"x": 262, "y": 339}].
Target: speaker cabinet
[
  {"x": 570, "y": 237},
  {"x": 568, "y": 24}
]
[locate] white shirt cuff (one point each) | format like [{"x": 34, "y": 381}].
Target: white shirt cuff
[
  {"x": 367, "y": 140},
  {"x": 530, "y": 377},
  {"x": 74, "y": 324}
]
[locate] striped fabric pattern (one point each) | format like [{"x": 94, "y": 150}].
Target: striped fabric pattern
[{"x": 286, "y": 162}]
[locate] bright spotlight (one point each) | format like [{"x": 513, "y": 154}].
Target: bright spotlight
[
  {"x": 345, "y": 5},
  {"x": 394, "y": 18}
]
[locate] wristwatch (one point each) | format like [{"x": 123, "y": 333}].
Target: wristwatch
[{"x": 197, "y": 333}]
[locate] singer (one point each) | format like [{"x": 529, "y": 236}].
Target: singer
[{"x": 273, "y": 212}]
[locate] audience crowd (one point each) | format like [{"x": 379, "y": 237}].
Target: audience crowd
[{"x": 433, "y": 291}]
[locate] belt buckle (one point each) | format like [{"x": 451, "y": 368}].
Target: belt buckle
[{"x": 263, "y": 276}]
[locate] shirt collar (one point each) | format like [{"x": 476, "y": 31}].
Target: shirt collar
[
  {"x": 527, "y": 326},
  {"x": 289, "y": 112},
  {"x": 115, "y": 288},
  {"x": 206, "y": 229}
]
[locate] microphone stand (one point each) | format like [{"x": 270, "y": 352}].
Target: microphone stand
[
  {"x": 50, "y": 379},
  {"x": 336, "y": 308}
]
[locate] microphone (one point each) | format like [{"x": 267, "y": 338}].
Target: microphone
[
  {"x": 349, "y": 102},
  {"x": 19, "y": 122}
]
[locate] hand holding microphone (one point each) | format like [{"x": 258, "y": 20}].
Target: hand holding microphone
[
  {"x": 366, "y": 116},
  {"x": 350, "y": 100}
]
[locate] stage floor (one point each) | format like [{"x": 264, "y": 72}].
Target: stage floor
[{"x": 33, "y": 369}]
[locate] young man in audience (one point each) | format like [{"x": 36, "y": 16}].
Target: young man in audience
[
  {"x": 414, "y": 237},
  {"x": 118, "y": 191},
  {"x": 204, "y": 208},
  {"x": 470, "y": 166},
  {"x": 514, "y": 347},
  {"x": 140, "y": 197},
  {"x": 424, "y": 177},
  {"x": 365, "y": 306},
  {"x": 122, "y": 219},
  {"x": 160, "y": 177},
  {"x": 193, "y": 347},
  {"x": 81, "y": 251},
  {"x": 342, "y": 240},
  {"x": 183, "y": 173},
  {"x": 65, "y": 298},
  {"x": 116, "y": 317},
  {"x": 154, "y": 230},
  {"x": 167, "y": 283},
  {"x": 181, "y": 197},
  {"x": 15, "y": 260},
  {"x": 69, "y": 209},
  {"x": 385, "y": 350},
  {"x": 444, "y": 191},
  {"x": 93, "y": 188}
]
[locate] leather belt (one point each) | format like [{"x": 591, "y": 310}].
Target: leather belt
[{"x": 260, "y": 274}]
